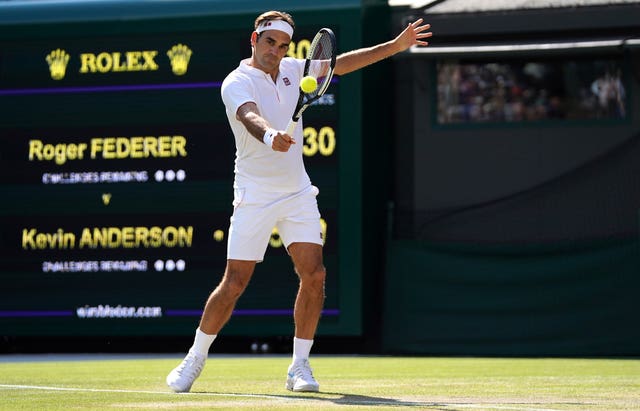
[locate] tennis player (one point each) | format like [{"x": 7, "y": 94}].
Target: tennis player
[{"x": 272, "y": 188}]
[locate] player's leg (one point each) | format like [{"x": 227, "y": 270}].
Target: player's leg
[
  {"x": 307, "y": 259},
  {"x": 222, "y": 300},
  {"x": 301, "y": 233},
  {"x": 249, "y": 233},
  {"x": 217, "y": 312}
]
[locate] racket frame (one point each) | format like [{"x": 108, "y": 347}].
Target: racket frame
[{"x": 306, "y": 99}]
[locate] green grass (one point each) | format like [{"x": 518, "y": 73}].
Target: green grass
[{"x": 347, "y": 382}]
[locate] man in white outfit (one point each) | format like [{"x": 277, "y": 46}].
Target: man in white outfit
[{"x": 272, "y": 188}]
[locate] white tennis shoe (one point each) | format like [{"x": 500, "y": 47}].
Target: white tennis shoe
[
  {"x": 181, "y": 378},
  {"x": 300, "y": 377}
]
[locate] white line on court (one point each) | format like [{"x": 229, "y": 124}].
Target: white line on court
[
  {"x": 76, "y": 389},
  {"x": 388, "y": 402},
  {"x": 498, "y": 407}
]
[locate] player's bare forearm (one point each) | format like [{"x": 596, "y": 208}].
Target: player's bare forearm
[
  {"x": 249, "y": 115},
  {"x": 357, "y": 59},
  {"x": 413, "y": 35}
]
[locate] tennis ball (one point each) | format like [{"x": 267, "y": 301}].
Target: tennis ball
[
  {"x": 218, "y": 235},
  {"x": 308, "y": 84}
]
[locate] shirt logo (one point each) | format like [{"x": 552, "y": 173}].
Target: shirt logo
[{"x": 286, "y": 81}]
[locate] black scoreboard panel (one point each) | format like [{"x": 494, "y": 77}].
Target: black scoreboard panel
[{"x": 116, "y": 167}]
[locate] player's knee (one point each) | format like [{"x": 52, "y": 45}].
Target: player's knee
[
  {"x": 234, "y": 284},
  {"x": 314, "y": 277}
]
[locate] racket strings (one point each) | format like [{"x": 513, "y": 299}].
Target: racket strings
[{"x": 321, "y": 53}]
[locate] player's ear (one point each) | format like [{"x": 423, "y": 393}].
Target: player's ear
[{"x": 254, "y": 38}]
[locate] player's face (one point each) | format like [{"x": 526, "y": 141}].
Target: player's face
[{"x": 269, "y": 48}]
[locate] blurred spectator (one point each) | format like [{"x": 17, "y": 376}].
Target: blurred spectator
[{"x": 527, "y": 91}]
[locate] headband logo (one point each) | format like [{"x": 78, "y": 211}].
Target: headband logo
[{"x": 279, "y": 25}]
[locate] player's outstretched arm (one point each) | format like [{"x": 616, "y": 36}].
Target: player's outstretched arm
[{"x": 413, "y": 35}]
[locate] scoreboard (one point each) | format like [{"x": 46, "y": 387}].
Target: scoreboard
[{"x": 116, "y": 168}]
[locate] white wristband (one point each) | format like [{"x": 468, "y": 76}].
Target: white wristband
[{"x": 268, "y": 137}]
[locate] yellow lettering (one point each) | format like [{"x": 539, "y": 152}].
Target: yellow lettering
[
  {"x": 71, "y": 152},
  {"x": 150, "y": 144},
  {"x": 35, "y": 149},
  {"x": 149, "y": 63},
  {"x": 141, "y": 236},
  {"x": 178, "y": 146},
  {"x": 133, "y": 63},
  {"x": 86, "y": 240},
  {"x": 117, "y": 237},
  {"x": 88, "y": 63},
  {"x": 164, "y": 146},
  {"x": 321, "y": 142},
  {"x": 170, "y": 236},
  {"x": 28, "y": 241},
  {"x": 116, "y": 61},
  {"x": 117, "y": 64},
  {"x": 137, "y": 147},
  {"x": 100, "y": 237},
  {"x": 128, "y": 237},
  {"x": 155, "y": 234},
  {"x": 104, "y": 62},
  {"x": 123, "y": 148},
  {"x": 109, "y": 148},
  {"x": 59, "y": 152},
  {"x": 96, "y": 146},
  {"x": 33, "y": 240}
]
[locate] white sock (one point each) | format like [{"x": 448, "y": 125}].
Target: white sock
[
  {"x": 202, "y": 342},
  {"x": 301, "y": 349}
]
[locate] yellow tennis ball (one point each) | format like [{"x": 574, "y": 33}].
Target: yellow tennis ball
[
  {"x": 218, "y": 235},
  {"x": 308, "y": 84}
]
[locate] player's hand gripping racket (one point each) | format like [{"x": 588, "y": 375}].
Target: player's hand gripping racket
[{"x": 319, "y": 64}]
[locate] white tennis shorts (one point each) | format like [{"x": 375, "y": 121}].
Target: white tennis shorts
[{"x": 294, "y": 215}]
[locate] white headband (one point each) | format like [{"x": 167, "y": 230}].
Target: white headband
[{"x": 275, "y": 25}]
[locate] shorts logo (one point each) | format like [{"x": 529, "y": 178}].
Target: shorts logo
[{"x": 286, "y": 81}]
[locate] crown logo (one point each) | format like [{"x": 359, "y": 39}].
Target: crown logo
[
  {"x": 57, "y": 61},
  {"x": 179, "y": 56}
]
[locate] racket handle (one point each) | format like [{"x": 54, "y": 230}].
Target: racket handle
[{"x": 291, "y": 126}]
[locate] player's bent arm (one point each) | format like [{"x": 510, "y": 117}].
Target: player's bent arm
[{"x": 249, "y": 115}]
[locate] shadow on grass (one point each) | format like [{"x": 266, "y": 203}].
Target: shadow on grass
[
  {"x": 343, "y": 399},
  {"x": 338, "y": 398},
  {"x": 365, "y": 400},
  {"x": 354, "y": 399}
]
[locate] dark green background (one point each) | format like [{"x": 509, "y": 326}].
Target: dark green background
[{"x": 218, "y": 34}]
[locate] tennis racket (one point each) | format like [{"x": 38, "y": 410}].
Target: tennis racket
[{"x": 320, "y": 62}]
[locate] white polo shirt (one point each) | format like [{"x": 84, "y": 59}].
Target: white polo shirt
[{"x": 257, "y": 165}]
